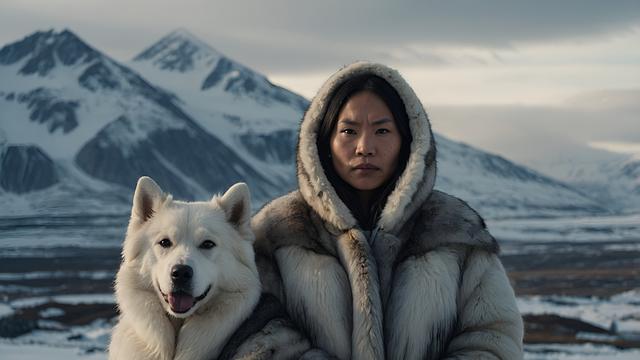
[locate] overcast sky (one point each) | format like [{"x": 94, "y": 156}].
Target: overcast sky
[{"x": 509, "y": 69}]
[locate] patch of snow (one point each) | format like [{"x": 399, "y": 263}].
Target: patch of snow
[
  {"x": 51, "y": 312},
  {"x": 18, "y": 351},
  {"x": 78, "y": 342},
  {"x": 52, "y": 238},
  {"x": 622, "y": 309},
  {"x": 6, "y": 310},
  {"x": 578, "y": 352},
  {"x": 64, "y": 299},
  {"x": 608, "y": 228},
  {"x": 95, "y": 275},
  {"x": 50, "y": 325},
  {"x": 595, "y": 337}
]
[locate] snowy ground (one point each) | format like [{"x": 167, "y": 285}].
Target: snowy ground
[
  {"x": 589, "y": 279},
  {"x": 584, "y": 229},
  {"x": 57, "y": 341},
  {"x": 621, "y": 311},
  {"x": 21, "y": 351},
  {"x": 578, "y": 352}
]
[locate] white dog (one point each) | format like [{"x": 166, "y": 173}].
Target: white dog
[{"x": 188, "y": 277}]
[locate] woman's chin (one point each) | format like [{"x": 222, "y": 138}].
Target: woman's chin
[{"x": 365, "y": 185}]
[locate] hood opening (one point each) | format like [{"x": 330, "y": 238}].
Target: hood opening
[
  {"x": 365, "y": 214},
  {"x": 322, "y": 188}
]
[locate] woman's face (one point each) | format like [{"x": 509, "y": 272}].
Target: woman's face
[{"x": 365, "y": 143}]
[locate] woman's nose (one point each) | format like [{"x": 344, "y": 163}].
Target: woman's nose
[{"x": 365, "y": 146}]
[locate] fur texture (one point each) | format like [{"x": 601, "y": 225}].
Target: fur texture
[{"x": 427, "y": 285}]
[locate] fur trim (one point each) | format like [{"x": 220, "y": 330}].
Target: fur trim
[
  {"x": 355, "y": 256},
  {"x": 433, "y": 322},
  {"x": 445, "y": 220},
  {"x": 324, "y": 308},
  {"x": 413, "y": 186},
  {"x": 277, "y": 340},
  {"x": 442, "y": 220},
  {"x": 487, "y": 301}
]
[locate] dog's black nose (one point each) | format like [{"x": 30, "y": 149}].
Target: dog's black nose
[{"x": 181, "y": 274}]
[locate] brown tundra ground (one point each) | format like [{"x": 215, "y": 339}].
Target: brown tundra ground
[{"x": 550, "y": 268}]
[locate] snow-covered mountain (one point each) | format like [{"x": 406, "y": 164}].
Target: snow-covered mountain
[
  {"x": 182, "y": 62},
  {"x": 610, "y": 178},
  {"x": 503, "y": 189},
  {"x": 242, "y": 107},
  {"x": 66, "y": 105},
  {"x": 82, "y": 127}
]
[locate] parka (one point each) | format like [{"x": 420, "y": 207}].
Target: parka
[{"x": 425, "y": 283}]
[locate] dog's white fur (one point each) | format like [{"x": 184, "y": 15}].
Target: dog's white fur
[{"x": 148, "y": 328}]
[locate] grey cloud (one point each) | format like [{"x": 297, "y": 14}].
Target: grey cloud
[
  {"x": 351, "y": 29},
  {"x": 539, "y": 134},
  {"x": 285, "y": 35},
  {"x": 491, "y": 22}
]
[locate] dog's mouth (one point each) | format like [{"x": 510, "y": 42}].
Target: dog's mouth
[{"x": 181, "y": 301}]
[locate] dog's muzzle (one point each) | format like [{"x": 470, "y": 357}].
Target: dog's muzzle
[{"x": 180, "y": 299}]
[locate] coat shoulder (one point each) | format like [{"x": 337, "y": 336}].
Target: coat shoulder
[
  {"x": 283, "y": 221},
  {"x": 277, "y": 210},
  {"x": 445, "y": 220}
]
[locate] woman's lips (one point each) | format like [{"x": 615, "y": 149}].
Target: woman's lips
[{"x": 365, "y": 167}]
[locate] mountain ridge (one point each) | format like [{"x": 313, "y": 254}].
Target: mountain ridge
[
  {"x": 70, "y": 109},
  {"x": 120, "y": 121}
]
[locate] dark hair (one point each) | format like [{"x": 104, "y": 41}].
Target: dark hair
[{"x": 367, "y": 218}]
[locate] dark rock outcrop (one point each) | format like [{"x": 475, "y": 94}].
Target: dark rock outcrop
[
  {"x": 278, "y": 146},
  {"x": 43, "y": 48},
  {"x": 47, "y": 109},
  {"x": 181, "y": 160},
  {"x": 98, "y": 76},
  {"x": 25, "y": 168}
]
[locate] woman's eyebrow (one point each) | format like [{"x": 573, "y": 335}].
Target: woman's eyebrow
[
  {"x": 348, "y": 122},
  {"x": 381, "y": 121}
]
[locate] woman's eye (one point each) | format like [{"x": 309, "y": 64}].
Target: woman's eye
[
  {"x": 382, "y": 131},
  {"x": 207, "y": 244},
  {"x": 348, "y": 131},
  {"x": 165, "y": 243}
]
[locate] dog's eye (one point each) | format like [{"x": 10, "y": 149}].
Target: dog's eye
[
  {"x": 165, "y": 243},
  {"x": 207, "y": 244}
]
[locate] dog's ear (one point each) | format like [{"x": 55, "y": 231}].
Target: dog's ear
[
  {"x": 146, "y": 199},
  {"x": 236, "y": 203}
]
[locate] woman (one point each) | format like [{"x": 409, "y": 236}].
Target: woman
[{"x": 367, "y": 258}]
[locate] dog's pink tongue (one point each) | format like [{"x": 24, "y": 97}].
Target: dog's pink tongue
[{"x": 180, "y": 302}]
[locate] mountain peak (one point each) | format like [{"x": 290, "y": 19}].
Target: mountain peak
[
  {"x": 186, "y": 35},
  {"x": 180, "y": 51},
  {"x": 44, "y": 49}
]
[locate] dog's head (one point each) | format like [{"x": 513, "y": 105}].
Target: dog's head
[{"x": 190, "y": 251}]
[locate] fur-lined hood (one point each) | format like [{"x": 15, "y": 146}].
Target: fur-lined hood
[{"x": 414, "y": 185}]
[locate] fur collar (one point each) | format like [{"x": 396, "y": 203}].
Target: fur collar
[{"x": 414, "y": 185}]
